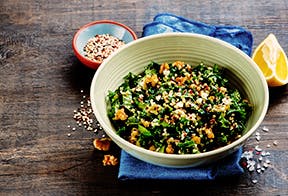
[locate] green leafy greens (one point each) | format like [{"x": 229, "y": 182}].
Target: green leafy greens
[{"x": 179, "y": 109}]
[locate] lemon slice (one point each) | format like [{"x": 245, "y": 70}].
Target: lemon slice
[{"x": 272, "y": 60}]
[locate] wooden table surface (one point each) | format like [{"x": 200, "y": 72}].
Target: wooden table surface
[{"x": 41, "y": 84}]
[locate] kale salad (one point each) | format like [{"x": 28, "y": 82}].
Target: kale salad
[{"x": 177, "y": 108}]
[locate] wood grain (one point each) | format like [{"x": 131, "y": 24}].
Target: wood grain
[{"x": 41, "y": 80}]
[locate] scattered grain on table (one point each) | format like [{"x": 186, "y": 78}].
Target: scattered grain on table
[
  {"x": 86, "y": 120},
  {"x": 256, "y": 159}
]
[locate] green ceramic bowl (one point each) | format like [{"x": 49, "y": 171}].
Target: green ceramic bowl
[{"x": 192, "y": 49}]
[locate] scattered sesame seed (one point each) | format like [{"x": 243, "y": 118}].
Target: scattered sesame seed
[
  {"x": 268, "y": 145},
  {"x": 265, "y": 129},
  {"x": 275, "y": 143},
  {"x": 84, "y": 116},
  {"x": 260, "y": 159},
  {"x": 254, "y": 181},
  {"x": 263, "y": 154},
  {"x": 251, "y": 168},
  {"x": 258, "y": 149},
  {"x": 69, "y": 134},
  {"x": 263, "y": 169}
]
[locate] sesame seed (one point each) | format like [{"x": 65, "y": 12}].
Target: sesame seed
[
  {"x": 265, "y": 129},
  {"x": 84, "y": 116},
  {"x": 251, "y": 168},
  {"x": 258, "y": 149},
  {"x": 260, "y": 159},
  {"x": 263, "y": 169},
  {"x": 254, "y": 181}
]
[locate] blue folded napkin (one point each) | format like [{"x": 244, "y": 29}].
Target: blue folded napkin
[
  {"x": 166, "y": 22},
  {"x": 134, "y": 169}
]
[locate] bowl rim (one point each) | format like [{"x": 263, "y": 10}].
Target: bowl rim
[
  {"x": 86, "y": 61},
  {"x": 232, "y": 146}
]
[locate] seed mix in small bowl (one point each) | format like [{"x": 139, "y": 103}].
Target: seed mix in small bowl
[
  {"x": 101, "y": 46},
  {"x": 95, "y": 41}
]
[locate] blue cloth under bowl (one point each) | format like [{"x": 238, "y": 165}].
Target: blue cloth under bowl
[
  {"x": 235, "y": 35},
  {"x": 135, "y": 169}
]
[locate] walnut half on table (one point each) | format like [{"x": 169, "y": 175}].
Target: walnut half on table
[
  {"x": 110, "y": 160},
  {"x": 103, "y": 144}
]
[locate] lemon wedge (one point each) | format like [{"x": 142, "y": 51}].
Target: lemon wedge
[{"x": 272, "y": 60}]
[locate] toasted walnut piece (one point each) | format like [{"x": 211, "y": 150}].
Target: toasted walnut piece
[
  {"x": 178, "y": 64},
  {"x": 102, "y": 143},
  {"x": 152, "y": 148},
  {"x": 180, "y": 80},
  {"x": 134, "y": 135},
  {"x": 153, "y": 80},
  {"x": 170, "y": 140},
  {"x": 153, "y": 109},
  {"x": 120, "y": 115},
  {"x": 196, "y": 139},
  {"x": 209, "y": 133},
  {"x": 163, "y": 67},
  {"x": 110, "y": 160},
  {"x": 169, "y": 149},
  {"x": 145, "y": 123},
  {"x": 222, "y": 89}
]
